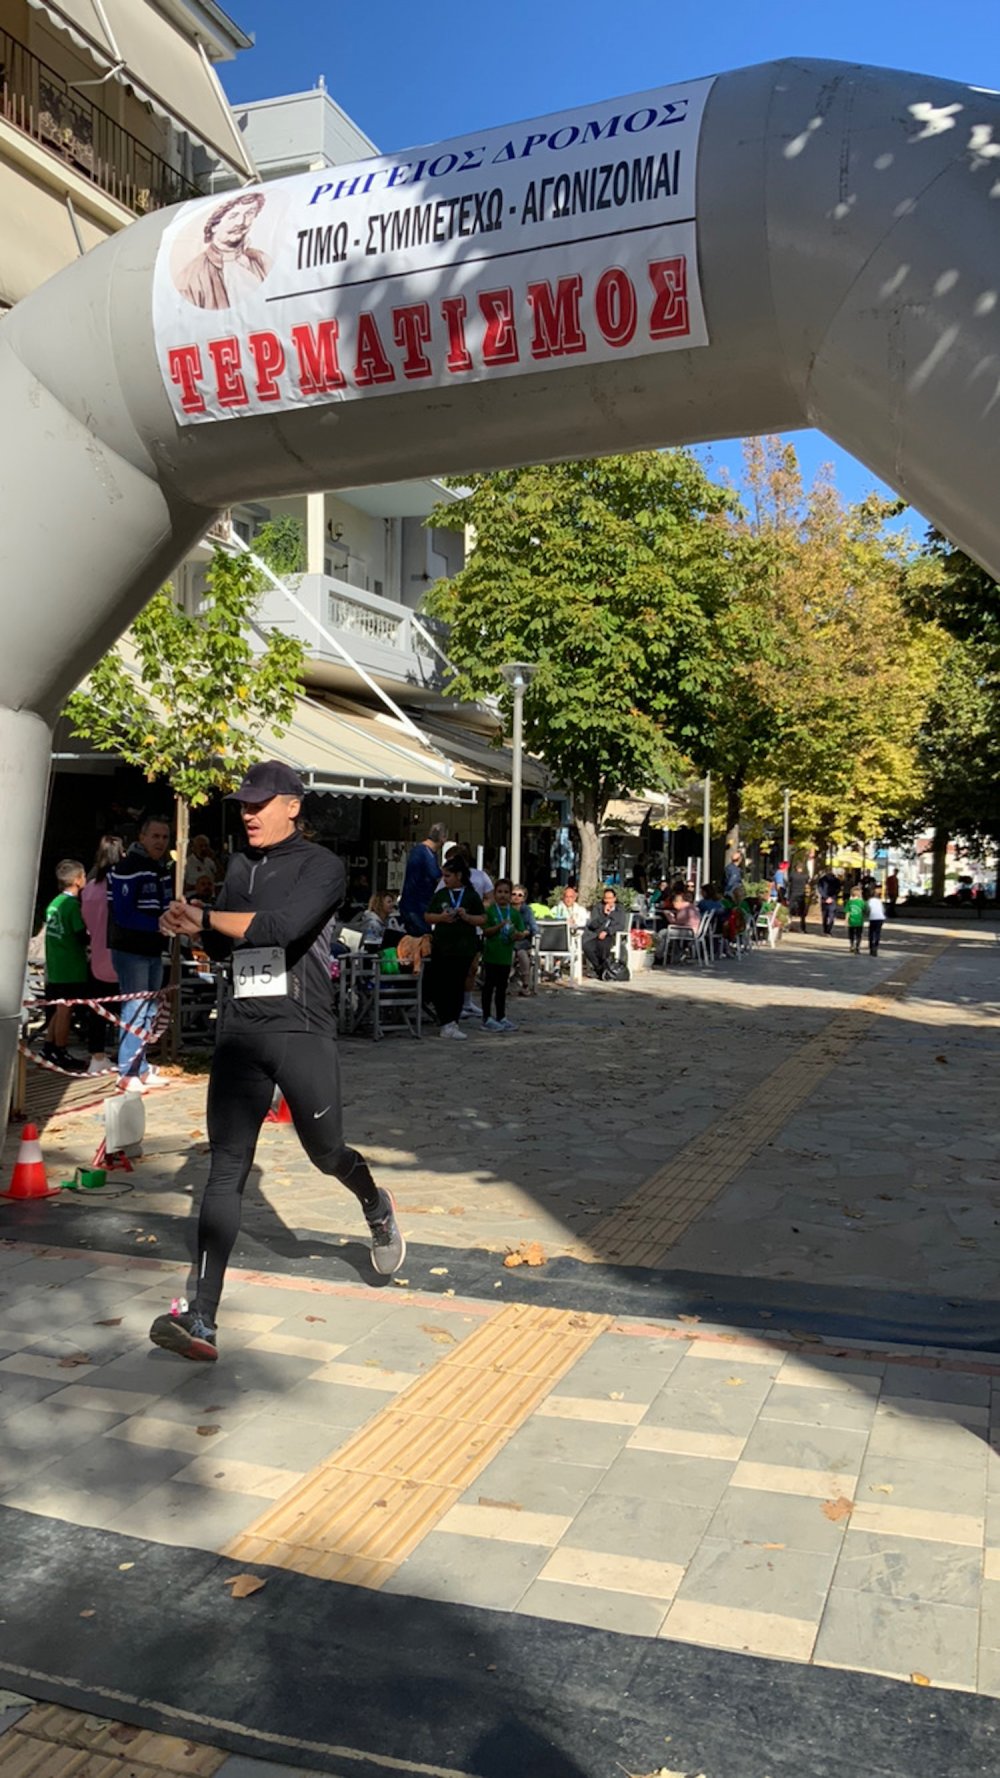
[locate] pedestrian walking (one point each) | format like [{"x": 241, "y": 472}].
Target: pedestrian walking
[
  {"x": 273, "y": 918},
  {"x": 828, "y": 886},
  {"x": 138, "y": 894},
  {"x": 875, "y": 910},
  {"x": 854, "y": 914},
  {"x": 891, "y": 894},
  {"x": 455, "y": 915}
]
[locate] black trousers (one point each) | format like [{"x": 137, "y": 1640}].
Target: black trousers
[
  {"x": 598, "y": 951},
  {"x": 854, "y": 937},
  {"x": 495, "y": 979},
  {"x": 828, "y": 910},
  {"x": 874, "y": 934},
  {"x": 245, "y": 1071},
  {"x": 448, "y": 975}
]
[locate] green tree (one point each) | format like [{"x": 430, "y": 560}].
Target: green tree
[
  {"x": 606, "y": 574},
  {"x": 185, "y": 697},
  {"x": 831, "y": 672}
]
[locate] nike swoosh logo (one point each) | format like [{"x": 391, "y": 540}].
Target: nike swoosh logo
[{"x": 322, "y": 1113}]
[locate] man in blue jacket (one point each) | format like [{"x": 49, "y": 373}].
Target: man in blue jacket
[
  {"x": 139, "y": 889},
  {"x": 423, "y": 873}
]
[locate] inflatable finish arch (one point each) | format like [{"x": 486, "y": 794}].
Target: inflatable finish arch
[{"x": 795, "y": 244}]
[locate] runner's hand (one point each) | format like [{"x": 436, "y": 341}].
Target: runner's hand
[{"x": 181, "y": 920}]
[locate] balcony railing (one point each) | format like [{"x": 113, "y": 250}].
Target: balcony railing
[{"x": 38, "y": 101}]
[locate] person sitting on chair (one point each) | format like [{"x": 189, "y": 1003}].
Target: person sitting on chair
[
  {"x": 606, "y": 921},
  {"x": 683, "y": 914}
]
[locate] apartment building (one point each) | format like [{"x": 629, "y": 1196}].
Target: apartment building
[{"x": 105, "y": 112}]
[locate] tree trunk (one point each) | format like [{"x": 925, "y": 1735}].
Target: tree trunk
[
  {"x": 939, "y": 861},
  {"x": 585, "y": 817}
]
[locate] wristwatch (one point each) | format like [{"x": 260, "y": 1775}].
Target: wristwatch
[{"x": 206, "y": 922}]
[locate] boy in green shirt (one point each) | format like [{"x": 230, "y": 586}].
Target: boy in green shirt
[
  {"x": 66, "y": 967},
  {"x": 854, "y": 911},
  {"x": 504, "y": 924}
]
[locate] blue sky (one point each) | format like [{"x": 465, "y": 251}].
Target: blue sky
[{"x": 410, "y": 74}]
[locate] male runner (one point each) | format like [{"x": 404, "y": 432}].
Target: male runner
[{"x": 273, "y": 916}]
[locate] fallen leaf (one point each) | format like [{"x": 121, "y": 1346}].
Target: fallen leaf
[
  {"x": 124, "y": 1732},
  {"x": 243, "y": 1585},
  {"x": 880, "y": 1488},
  {"x": 124, "y": 1566},
  {"x": 772, "y": 1546},
  {"x": 439, "y": 1335},
  {"x": 502, "y": 1506},
  {"x": 402, "y": 1282},
  {"x": 315, "y": 1317},
  {"x": 921, "y": 1678},
  {"x": 526, "y": 1253},
  {"x": 439, "y": 1271},
  {"x": 689, "y": 1318},
  {"x": 89, "y": 1613},
  {"x": 616, "y": 1395},
  {"x": 207, "y": 1431},
  {"x": 116, "y": 1321},
  {"x": 449, "y": 1293},
  {"x": 72, "y": 1359},
  {"x": 943, "y": 1059},
  {"x": 735, "y": 1382},
  {"x": 841, "y": 1508},
  {"x": 457, "y": 1210}
]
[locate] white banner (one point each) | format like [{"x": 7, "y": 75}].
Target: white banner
[{"x": 568, "y": 240}]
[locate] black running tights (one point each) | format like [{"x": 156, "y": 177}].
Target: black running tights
[{"x": 245, "y": 1071}]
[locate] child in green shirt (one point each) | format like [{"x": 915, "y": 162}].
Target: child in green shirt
[
  {"x": 66, "y": 967},
  {"x": 504, "y": 924},
  {"x": 854, "y": 911}
]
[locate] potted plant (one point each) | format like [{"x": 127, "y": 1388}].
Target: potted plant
[{"x": 640, "y": 944}]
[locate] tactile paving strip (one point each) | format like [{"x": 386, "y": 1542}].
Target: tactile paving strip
[
  {"x": 51, "y": 1742},
  {"x": 642, "y": 1231},
  {"x": 361, "y": 1512}
]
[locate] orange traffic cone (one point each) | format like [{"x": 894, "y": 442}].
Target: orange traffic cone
[
  {"x": 29, "y": 1180},
  {"x": 280, "y": 1114}
]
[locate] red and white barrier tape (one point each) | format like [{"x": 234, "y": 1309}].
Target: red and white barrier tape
[{"x": 149, "y": 1035}]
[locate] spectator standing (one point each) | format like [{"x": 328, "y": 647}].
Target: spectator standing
[
  {"x": 732, "y": 879},
  {"x": 875, "y": 909},
  {"x": 420, "y": 880},
  {"x": 891, "y": 894},
  {"x": 523, "y": 943},
  {"x": 829, "y": 891},
  {"x": 65, "y": 959},
  {"x": 606, "y": 920},
  {"x": 201, "y": 863},
  {"x": 800, "y": 894},
  {"x": 854, "y": 913},
  {"x": 139, "y": 893},
  {"x": 94, "y": 908},
  {"x": 455, "y": 916},
  {"x": 483, "y": 885},
  {"x": 503, "y": 924}
]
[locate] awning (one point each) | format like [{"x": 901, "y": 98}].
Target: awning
[
  {"x": 629, "y": 814},
  {"x": 482, "y": 763},
  {"x": 352, "y": 752},
  {"x": 167, "y": 69}
]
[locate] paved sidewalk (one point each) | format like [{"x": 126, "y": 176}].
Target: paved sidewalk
[{"x": 780, "y": 1498}]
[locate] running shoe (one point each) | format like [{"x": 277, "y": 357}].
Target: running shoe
[
  {"x": 492, "y": 1025},
  {"x": 469, "y": 1011},
  {"x": 184, "y": 1331},
  {"x": 452, "y": 1030},
  {"x": 388, "y": 1245},
  {"x": 506, "y": 1025},
  {"x": 153, "y": 1079}
]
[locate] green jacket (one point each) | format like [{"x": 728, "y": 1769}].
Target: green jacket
[{"x": 855, "y": 911}]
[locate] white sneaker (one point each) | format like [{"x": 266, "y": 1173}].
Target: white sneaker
[
  {"x": 452, "y": 1030},
  {"x": 99, "y": 1065},
  {"x": 470, "y": 1011},
  {"x": 506, "y": 1025},
  {"x": 151, "y": 1080},
  {"x": 492, "y": 1025}
]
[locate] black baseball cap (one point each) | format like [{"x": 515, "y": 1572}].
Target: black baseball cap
[{"x": 268, "y": 779}]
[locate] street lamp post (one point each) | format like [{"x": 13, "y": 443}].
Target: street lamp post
[
  {"x": 706, "y": 831},
  {"x": 518, "y": 675},
  {"x": 787, "y": 833}
]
